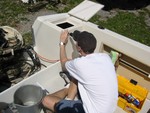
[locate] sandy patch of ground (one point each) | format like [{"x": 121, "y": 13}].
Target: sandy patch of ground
[{"x": 25, "y": 26}]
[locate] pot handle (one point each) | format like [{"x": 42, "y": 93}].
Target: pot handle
[{"x": 44, "y": 90}]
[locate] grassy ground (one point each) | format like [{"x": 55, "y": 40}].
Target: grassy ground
[
  {"x": 129, "y": 25},
  {"x": 11, "y": 12},
  {"x": 125, "y": 23}
]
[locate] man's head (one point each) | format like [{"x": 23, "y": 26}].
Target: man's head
[{"x": 85, "y": 40}]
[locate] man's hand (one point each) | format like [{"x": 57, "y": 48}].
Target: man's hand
[{"x": 64, "y": 36}]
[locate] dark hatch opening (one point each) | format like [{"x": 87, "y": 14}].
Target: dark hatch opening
[{"x": 65, "y": 25}]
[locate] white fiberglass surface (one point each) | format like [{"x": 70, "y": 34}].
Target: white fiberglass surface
[{"x": 48, "y": 78}]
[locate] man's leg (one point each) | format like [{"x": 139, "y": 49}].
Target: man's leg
[
  {"x": 72, "y": 91},
  {"x": 49, "y": 101}
]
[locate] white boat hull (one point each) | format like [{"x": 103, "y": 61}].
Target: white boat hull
[{"x": 46, "y": 39}]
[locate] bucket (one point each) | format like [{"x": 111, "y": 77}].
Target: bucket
[{"x": 27, "y": 99}]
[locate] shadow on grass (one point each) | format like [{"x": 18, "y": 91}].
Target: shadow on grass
[{"x": 124, "y": 4}]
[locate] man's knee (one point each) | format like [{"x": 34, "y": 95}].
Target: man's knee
[
  {"x": 45, "y": 101},
  {"x": 49, "y": 101}
]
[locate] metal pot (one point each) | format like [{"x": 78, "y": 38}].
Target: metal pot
[{"x": 27, "y": 99}]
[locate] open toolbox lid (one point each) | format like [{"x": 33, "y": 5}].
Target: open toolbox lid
[{"x": 85, "y": 10}]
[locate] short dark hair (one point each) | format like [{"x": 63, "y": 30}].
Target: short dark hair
[{"x": 85, "y": 40}]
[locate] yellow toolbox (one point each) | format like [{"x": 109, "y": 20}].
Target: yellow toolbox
[{"x": 131, "y": 96}]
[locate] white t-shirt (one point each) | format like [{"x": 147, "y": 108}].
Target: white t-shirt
[{"x": 97, "y": 82}]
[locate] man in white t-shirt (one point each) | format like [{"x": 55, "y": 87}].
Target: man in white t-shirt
[{"x": 93, "y": 75}]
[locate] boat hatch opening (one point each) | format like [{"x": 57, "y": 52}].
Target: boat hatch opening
[
  {"x": 65, "y": 25},
  {"x": 84, "y": 11}
]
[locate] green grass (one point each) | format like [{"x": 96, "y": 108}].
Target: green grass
[
  {"x": 127, "y": 24},
  {"x": 68, "y": 5},
  {"x": 27, "y": 38},
  {"x": 11, "y": 12}
]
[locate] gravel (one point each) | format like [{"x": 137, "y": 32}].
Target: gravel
[{"x": 25, "y": 26}]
